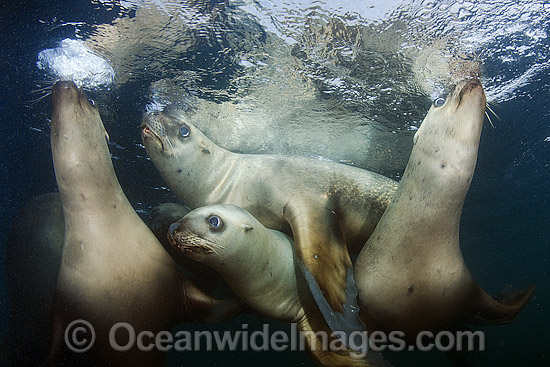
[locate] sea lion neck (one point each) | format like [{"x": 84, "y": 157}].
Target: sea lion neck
[
  {"x": 77, "y": 134},
  {"x": 208, "y": 186}
]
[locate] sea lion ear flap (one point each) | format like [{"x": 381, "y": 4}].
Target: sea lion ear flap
[
  {"x": 247, "y": 228},
  {"x": 106, "y": 135},
  {"x": 204, "y": 148}
]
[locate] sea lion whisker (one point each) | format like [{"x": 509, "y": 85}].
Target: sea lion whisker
[
  {"x": 488, "y": 106},
  {"x": 211, "y": 245},
  {"x": 213, "y": 250},
  {"x": 489, "y": 109},
  {"x": 36, "y": 100},
  {"x": 489, "y": 119},
  {"x": 42, "y": 89},
  {"x": 188, "y": 239},
  {"x": 43, "y": 85},
  {"x": 170, "y": 144}
]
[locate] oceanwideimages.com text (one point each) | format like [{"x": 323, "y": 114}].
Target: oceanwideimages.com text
[{"x": 80, "y": 337}]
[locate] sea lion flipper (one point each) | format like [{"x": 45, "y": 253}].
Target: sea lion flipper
[
  {"x": 310, "y": 325},
  {"x": 501, "y": 309},
  {"x": 201, "y": 306},
  {"x": 348, "y": 321},
  {"x": 326, "y": 264}
]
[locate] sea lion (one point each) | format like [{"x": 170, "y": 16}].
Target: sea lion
[
  {"x": 33, "y": 255},
  {"x": 113, "y": 269},
  {"x": 411, "y": 275},
  {"x": 260, "y": 266},
  {"x": 324, "y": 205}
]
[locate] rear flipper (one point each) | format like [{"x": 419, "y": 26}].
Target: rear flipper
[{"x": 501, "y": 309}]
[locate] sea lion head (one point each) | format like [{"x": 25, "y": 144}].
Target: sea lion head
[
  {"x": 172, "y": 136},
  {"x": 184, "y": 156},
  {"x": 71, "y": 104},
  {"x": 459, "y": 112},
  {"x": 215, "y": 234},
  {"x": 451, "y": 130}
]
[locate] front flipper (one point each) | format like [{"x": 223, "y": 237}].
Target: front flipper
[
  {"x": 198, "y": 306},
  {"x": 326, "y": 264},
  {"x": 347, "y": 321}
]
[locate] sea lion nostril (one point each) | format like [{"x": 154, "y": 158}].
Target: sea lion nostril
[{"x": 172, "y": 228}]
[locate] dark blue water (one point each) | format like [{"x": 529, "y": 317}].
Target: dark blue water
[{"x": 505, "y": 230}]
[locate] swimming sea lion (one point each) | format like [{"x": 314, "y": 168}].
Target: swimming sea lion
[
  {"x": 411, "y": 275},
  {"x": 324, "y": 205},
  {"x": 260, "y": 266},
  {"x": 113, "y": 269},
  {"x": 33, "y": 255}
]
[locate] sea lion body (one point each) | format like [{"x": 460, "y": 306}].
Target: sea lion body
[
  {"x": 113, "y": 269},
  {"x": 326, "y": 206},
  {"x": 33, "y": 256},
  {"x": 260, "y": 266},
  {"x": 411, "y": 275},
  {"x": 242, "y": 251}
]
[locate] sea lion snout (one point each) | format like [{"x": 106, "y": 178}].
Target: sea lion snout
[
  {"x": 64, "y": 86},
  {"x": 153, "y": 130},
  {"x": 188, "y": 241},
  {"x": 179, "y": 236},
  {"x": 66, "y": 93},
  {"x": 63, "y": 93},
  {"x": 471, "y": 88}
]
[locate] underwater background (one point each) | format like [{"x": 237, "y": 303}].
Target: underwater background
[{"x": 204, "y": 56}]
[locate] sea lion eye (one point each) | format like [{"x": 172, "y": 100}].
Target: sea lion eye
[
  {"x": 215, "y": 222},
  {"x": 184, "y": 131},
  {"x": 91, "y": 102},
  {"x": 439, "y": 101}
]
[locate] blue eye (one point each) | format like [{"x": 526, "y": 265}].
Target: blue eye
[
  {"x": 439, "y": 101},
  {"x": 215, "y": 222},
  {"x": 184, "y": 131}
]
